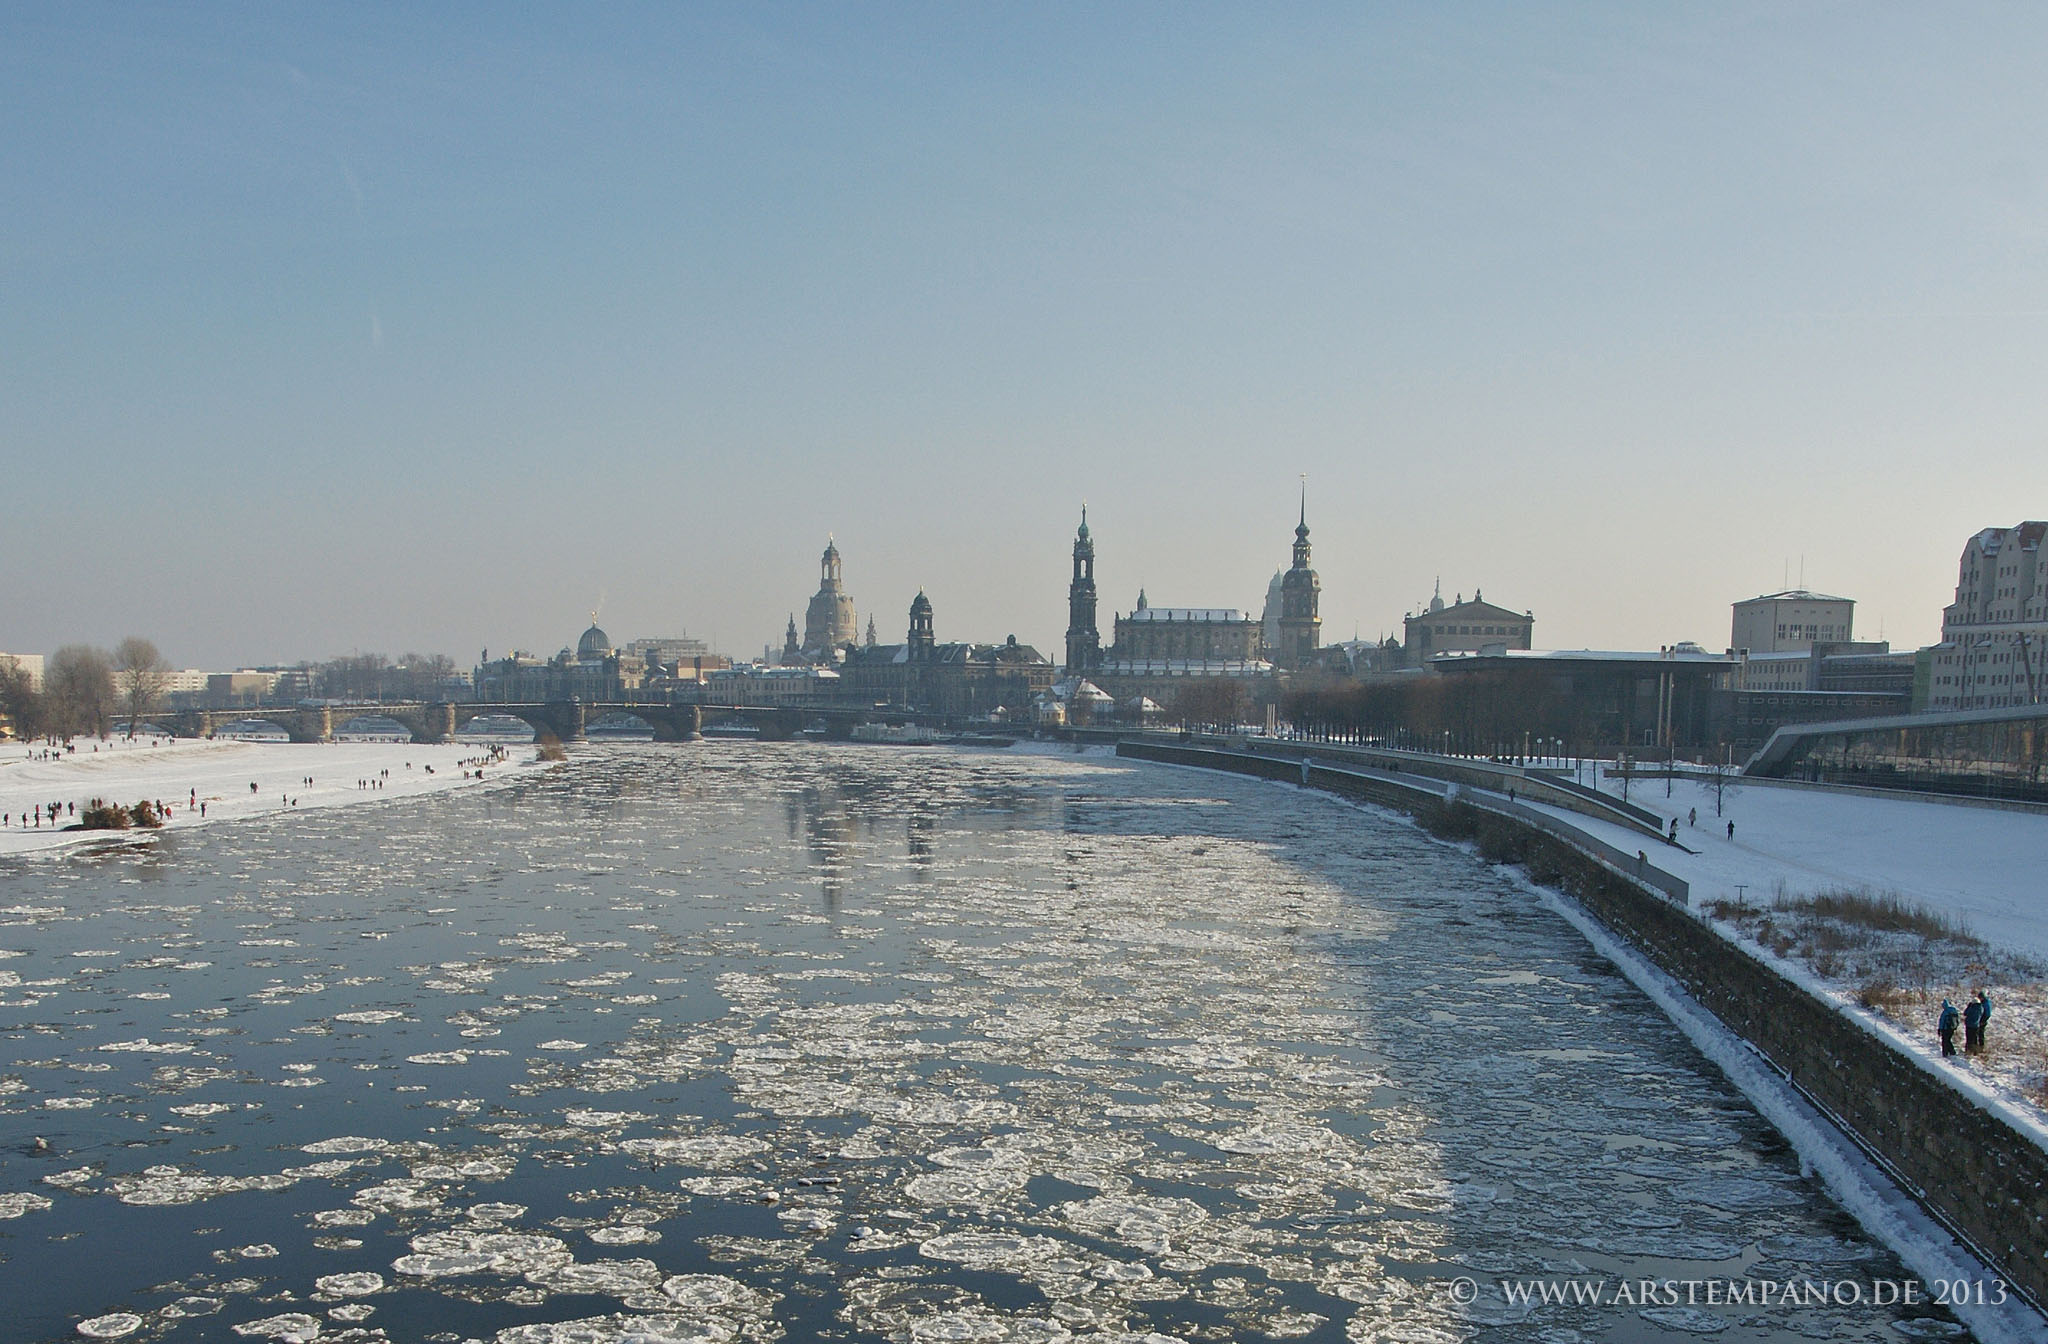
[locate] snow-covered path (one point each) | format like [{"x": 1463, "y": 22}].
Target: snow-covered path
[
  {"x": 218, "y": 773},
  {"x": 1986, "y": 867}
]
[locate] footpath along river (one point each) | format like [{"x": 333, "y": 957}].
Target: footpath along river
[{"x": 739, "y": 1041}]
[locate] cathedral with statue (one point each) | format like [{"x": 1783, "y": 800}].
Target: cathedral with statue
[{"x": 1158, "y": 653}]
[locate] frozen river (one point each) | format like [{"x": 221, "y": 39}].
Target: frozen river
[{"x": 747, "y": 1042}]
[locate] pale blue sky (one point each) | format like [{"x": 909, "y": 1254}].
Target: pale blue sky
[{"x": 362, "y": 327}]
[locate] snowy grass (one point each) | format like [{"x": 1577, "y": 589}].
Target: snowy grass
[
  {"x": 1898, "y": 959},
  {"x": 1856, "y": 934},
  {"x": 1886, "y": 912},
  {"x": 1852, "y": 935}
]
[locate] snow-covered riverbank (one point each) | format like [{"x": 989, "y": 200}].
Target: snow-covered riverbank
[
  {"x": 205, "y": 782},
  {"x": 1977, "y": 868}
]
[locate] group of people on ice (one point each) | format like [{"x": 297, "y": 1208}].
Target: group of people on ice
[{"x": 1976, "y": 1016}]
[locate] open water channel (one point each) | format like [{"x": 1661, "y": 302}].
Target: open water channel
[{"x": 754, "y": 1042}]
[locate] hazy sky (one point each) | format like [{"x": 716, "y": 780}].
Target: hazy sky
[{"x": 355, "y": 327}]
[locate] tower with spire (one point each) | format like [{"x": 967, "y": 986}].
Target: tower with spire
[
  {"x": 1301, "y": 597},
  {"x": 922, "y": 640},
  {"x": 1084, "y": 641}
]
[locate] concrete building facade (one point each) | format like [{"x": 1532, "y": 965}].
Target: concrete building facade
[
  {"x": 1993, "y": 636},
  {"x": 31, "y": 663},
  {"x": 1791, "y": 622}
]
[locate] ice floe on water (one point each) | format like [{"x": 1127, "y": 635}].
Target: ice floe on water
[
  {"x": 16, "y": 1203},
  {"x": 291, "y": 1327},
  {"x": 759, "y": 1043},
  {"x": 440, "y": 1254},
  {"x": 346, "y": 1144}
]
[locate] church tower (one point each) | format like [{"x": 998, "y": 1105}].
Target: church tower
[
  {"x": 1301, "y": 621},
  {"x": 922, "y": 641},
  {"x": 792, "y": 652},
  {"x": 1084, "y": 642}
]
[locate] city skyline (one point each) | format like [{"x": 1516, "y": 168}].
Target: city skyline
[{"x": 382, "y": 330}]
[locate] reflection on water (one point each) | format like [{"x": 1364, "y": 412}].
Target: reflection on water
[{"x": 747, "y": 1041}]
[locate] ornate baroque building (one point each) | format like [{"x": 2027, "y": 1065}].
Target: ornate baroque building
[
  {"x": 1159, "y": 651},
  {"x": 594, "y": 673},
  {"x": 957, "y": 680},
  {"x": 1157, "y": 635},
  {"x": 1462, "y": 627},
  {"x": 829, "y": 622}
]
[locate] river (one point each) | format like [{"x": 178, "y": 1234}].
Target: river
[{"x": 742, "y": 1041}]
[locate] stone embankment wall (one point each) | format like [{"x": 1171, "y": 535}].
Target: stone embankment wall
[{"x": 1975, "y": 1172}]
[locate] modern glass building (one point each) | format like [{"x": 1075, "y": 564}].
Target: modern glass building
[{"x": 1986, "y": 753}]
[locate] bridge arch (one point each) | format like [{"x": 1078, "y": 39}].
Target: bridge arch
[
  {"x": 496, "y": 725},
  {"x": 618, "y": 723}
]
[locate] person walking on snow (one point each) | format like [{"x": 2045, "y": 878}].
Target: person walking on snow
[
  {"x": 1945, "y": 1025},
  {"x": 1973, "y": 1025},
  {"x": 1983, "y": 1018},
  {"x": 1731, "y": 830}
]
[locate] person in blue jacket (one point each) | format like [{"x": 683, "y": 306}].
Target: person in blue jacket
[
  {"x": 1946, "y": 1025},
  {"x": 1983, "y": 1017},
  {"x": 1973, "y": 1024}
]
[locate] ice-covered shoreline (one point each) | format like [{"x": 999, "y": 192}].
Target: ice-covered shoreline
[{"x": 217, "y": 773}]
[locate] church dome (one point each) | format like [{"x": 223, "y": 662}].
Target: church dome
[{"x": 594, "y": 644}]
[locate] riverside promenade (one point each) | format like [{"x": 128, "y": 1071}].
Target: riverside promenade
[{"x": 1932, "y": 1157}]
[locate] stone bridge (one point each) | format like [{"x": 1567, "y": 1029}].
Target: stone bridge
[{"x": 563, "y": 719}]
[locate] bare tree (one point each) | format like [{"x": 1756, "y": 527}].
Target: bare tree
[
  {"x": 140, "y": 675},
  {"x": 358, "y": 676},
  {"x": 433, "y": 674},
  {"x": 79, "y": 690},
  {"x": 1217, "y": 703},
  {"x": 421, "y": 676},
  {"x": 20, "y": 705}
]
